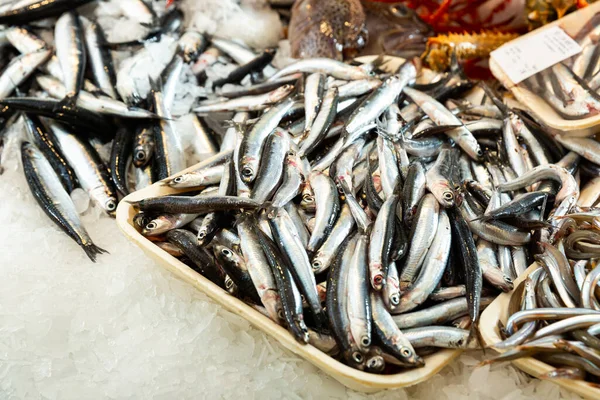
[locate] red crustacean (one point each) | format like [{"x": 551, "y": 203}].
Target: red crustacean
[{"x": 467, "y": 15}]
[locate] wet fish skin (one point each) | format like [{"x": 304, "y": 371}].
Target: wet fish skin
[
  {"x": 71, "y": 53},
  {"x": 48, "y": 191}
]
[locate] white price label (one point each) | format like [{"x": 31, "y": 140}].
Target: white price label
[{"x": 527, "y": 57}]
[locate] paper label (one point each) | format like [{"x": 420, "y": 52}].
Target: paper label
[{"x": 525, "y": 58}]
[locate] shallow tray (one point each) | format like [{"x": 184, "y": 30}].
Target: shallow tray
[
  {"x": 350, "y": 377},
  {"x": 488, "y": 327},
  {"x": 545, "y": 114}
]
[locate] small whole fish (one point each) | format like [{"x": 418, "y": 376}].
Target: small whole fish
[
  {"x": 71, "y": 53},
  {"x": 54, "y": 200}
]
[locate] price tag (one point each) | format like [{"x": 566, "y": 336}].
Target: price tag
[{"x": 526, "y": 57}]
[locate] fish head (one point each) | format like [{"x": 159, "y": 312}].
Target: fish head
[
  {"x": 355, "y": 358},
  {"x": 106, "y": 200},
  {"x": 185, "y": 180},
  {"x": 410, "y": 357},
  {"x": 140, "y": 156},
  {"x": 157, "y": 226}
]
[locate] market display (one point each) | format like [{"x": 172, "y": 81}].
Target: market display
[{"x": 373, "y": 211}]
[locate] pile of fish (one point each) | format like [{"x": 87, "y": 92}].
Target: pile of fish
[
  {"x": 372, "y": 211},
  {"x": 554, "y": 314},
  {"x": 373, "y": 216},
  {"x": 571, "y": 87}
]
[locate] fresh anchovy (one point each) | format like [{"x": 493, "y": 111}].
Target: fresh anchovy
[
  {"x": 85, "y": 122},
  {"x": 325, "y": 66},
  {"x": 255, "y": 65},
  {"x": 438, "y": 314},
  {"x": 169, "y": 155},
  {"x": 358, "y": 87},
  {"x": 497, "y": 232},
  {"x": 119, "y": 157},
  {"x": 291, "y": 182},
  {"x": 70, "y": 50},
  {"x": 143, "y": 149},
  {"x": 247, "y": 103},
  {"x": 392, "y": 339},
  {"x": 536, "y": 150},
  {"x": 294, "y": 252},
  {"x": 46, "y": 142},
  {"x": 271, "y": 168},
  {"x": 422, "y": 235},
  {"x": 100, "y": 58},
  {"x": 359, "y": 307},
  {"x": 380, "y": 246},
  {"x": 513, "y": 148},
  {"x": 253, "y": 141},
  {"x": 442, "y": 116},
  {"x": 377, "y": 102},
  {"x": 258, "y": 267},
  {"x": 342, "y": 229},
  {"x": 236, "y": 268},
  {"x": 207, "y": 172},
  {"x": 440, "y": 336},
  {"x": 342, "y": 169},
  {"x": 100, "y": 104},
  {"x": 19, "y": 69},
  {"x": 486, "y": 253},
  {"x": 337, "y": 305},
  {"x": 322, "y": 122},
  {"x": 195, "y": 205},
  {"x": 91, "y": 172},
  {"x": 439, "y": 176},
  {"x": 432, "y": 269},
  {"x": 54, "y": 200},
  {"x": 21, "y": 12},
  {"x": 167, "y": 222},
  {"x": 328, "y": 208},
  {"x": 203, "y": 261},
  {"x": 388, "y": 167},
  {"x": 587, "y": 148},
  {"x": 169, "y": 78},
  {"x": 414, "y": 190},
  {"x": 466, "y": 254}
]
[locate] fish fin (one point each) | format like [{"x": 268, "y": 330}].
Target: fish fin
[{"x": 92, "y": 250}]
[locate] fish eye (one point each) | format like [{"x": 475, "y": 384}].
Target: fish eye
[
  {"x": 226, "y": 252},
  {"x": 111, "y": 205},
  {"x": 308, "y": 199},
  {"x": 405, "y": 352},
  {"x": 201, "y": 234},
  {"x": 151, "y": 225},
  {"x": 140, "y": 156},
  {"x": 356, "y": 356},
  {"x": 179, "y": 179},
  {"x": 247, "y": 172},
  {"x": 508, "y": 280},
  {"x": 291, "y": 153},
  {"x": 378, "y": 280},
  {"x": 228, "y": 283},
  {"x": 280, "y": 314},
  {"x": 365, "y": 341},
  {"x": 395, "y": 299},
  {"x": 448, "y": 196},
  {"x": 316, "y": 265}
]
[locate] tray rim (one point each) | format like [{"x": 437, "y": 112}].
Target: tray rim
[{"x": 488, "y": 327}]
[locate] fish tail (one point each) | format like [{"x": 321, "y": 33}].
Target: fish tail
[{"x": 93, "y": 251}]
